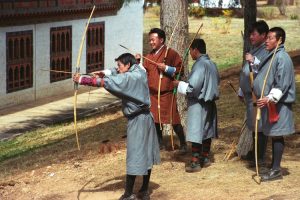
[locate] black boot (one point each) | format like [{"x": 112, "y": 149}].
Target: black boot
[
  {"x": 194, "y": 165},
  {"x": 128, "y": 195},
  {"x": 204, "y": 160},
  {"x": 180, "y": 134},
  {"x": 144, "y": 192}
]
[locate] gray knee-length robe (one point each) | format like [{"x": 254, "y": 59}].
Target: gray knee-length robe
[
  {"x": 142, "y": 142},
  {"x": 259, "y": 52},
  {"x": 202, "y": 91},
  {"x": 281, "y": 77}
]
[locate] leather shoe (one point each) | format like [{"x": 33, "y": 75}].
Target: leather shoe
[
  {"x": 273, "y": 174},
  {"x": 131, "y": 197},
  {"x": 143, "y": 195},
  {"x": 193, "y": 167},
  {"x": 205, "y": 162}
]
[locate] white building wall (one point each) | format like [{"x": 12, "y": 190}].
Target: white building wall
[{"x": 124, "y": 28}]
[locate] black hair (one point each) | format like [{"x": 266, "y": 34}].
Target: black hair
[
  {"x": 159, "y": 32},
  {"x": 126, "y": 58},
  {"x": 280, "y": 33},
  {"x": 260, "y": 26},
  {"x": 200, "y": 45}
]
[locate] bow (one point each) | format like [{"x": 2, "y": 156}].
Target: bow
[
  {"x": 258, "y": 113},
  {"x": 77, "y": 71},
  {"x": 159, "y": 83}
]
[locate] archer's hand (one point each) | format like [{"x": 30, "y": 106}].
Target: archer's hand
[
  {"x": 76, "y": 77},
  {"x": 161, "y": 66},
  {"x": 262, "y": 102},
  {"x": 175, "y": 83},
  {"x": 249, "y": 58},
  {"x": 98, "y": 74}
]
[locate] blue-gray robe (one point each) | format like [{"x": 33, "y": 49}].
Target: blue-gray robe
[
  {"x": 281, "y": 77},
  {"x": 142, "y": 142},
  {"x": 202, "y": 91},
  {"x": 245, "y": 85}
]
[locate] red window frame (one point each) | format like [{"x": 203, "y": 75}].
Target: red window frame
[
  {"x": 19, "y": 57},
  {"x": 60, "y": 53},
  {"x": 95, "y": 47}
]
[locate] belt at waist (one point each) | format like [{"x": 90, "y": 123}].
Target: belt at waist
[{"x": 133, "y": 115}]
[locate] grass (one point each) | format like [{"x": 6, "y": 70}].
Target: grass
[
  {"x": 225, "y": 49},
  {"x": 61, "y": 133}
]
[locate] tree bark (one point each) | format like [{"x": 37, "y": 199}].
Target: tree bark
[
  {"x": 250, "y": 11},
  {"x": 170, "y": 13},
  {"x": 245, "y": 141}
]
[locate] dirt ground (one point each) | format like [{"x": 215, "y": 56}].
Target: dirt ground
[{"x": 97, "y": 172}]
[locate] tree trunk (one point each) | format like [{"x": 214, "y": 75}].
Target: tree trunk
[
  {"x": 245, "y": 140},
  {"x": 249, "y": 18},
  {"x": 170, "y": 13}
]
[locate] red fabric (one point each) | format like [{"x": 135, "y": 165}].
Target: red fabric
[
  {"x": 273, "y": 114},
  {"x": 195, "y": 159},
  {"x": 173, "y": 59}
]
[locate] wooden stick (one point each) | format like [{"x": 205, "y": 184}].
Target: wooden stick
[
  {"x": 153, "y": 62},
  {"x": 57, "y": 71},
  {"x": 159, "y": 86},
  {"x": 258, "y": 114}
]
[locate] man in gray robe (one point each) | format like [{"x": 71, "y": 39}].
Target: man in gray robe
[
  {"x": 201, "y": 90},
  {"x": 279, "y": 90},
  {"x": 129, "y": 83},
  {"x": 258, "y": 36}
]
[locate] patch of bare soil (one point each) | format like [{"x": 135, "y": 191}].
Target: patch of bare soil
[{"x": 97, "y": 172}]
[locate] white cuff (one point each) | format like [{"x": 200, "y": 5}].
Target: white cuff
[
  {"x": 240, "y": 93},
  {"x": 182, "y": 86},
  {"x": 107, "y": 72},
  {"x": 275, "y": 95},
  {"x": 167, "y": 67},
  {"x": 256, "y": 61}
]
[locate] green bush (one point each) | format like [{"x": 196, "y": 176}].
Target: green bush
[
  {"x": 196, "y": 12},
  {"x": 294, "y": 17}
]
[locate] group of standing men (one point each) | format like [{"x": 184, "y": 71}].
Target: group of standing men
[
  {"x": 143, "y": 101},
  {"x": 267, "y": 81}
]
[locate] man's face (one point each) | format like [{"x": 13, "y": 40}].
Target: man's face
[
  {"x": 155, "y": 41},
  {"x": 122, "y": 68},
  {"x": 193, "y": 53},
  {"x": 257, "y": 39},
  {"x": 271, "y": 41}
]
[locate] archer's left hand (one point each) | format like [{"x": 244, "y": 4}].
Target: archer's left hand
[
  {"x": 76, "y": 77},
  {"x": 161, "y": 66}
]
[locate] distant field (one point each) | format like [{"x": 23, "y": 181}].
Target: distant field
[{"x": 226, "y": 48}]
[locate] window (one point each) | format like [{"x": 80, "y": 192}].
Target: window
[
  {"x": 60, "y": 53},
  {"x": 19, "y": 61},
  {"x": 95, "y": 47}
]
